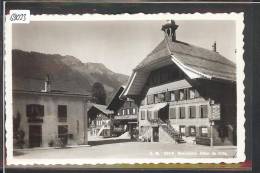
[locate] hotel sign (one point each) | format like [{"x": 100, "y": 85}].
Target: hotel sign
[
  {"x": 125, "y": 117},
  {"x": 215, "y": 112}
]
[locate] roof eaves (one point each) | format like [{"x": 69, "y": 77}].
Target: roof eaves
[
  {"x": 126, "y": 90},
  {"x": 50, "y": 93},
  {"x": 187, "y": 70},
  {"x": 103, "y": 108},
  {"x": 193, "y": 74},
  {"x": 116, "y": 94}
]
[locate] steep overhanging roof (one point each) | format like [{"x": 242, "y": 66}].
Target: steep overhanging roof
[
  {"x": 194, "y": 61},
  {"x": 101, "y": 108},
  {"x": 191, "y": 73},
  {"x": 116, "y": 102}
]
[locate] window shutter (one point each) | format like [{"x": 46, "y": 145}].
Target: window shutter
[
  {"x": 200, "y": 110},
  {"x": 150, "y": 99},
  {"x": 28, "y": 110},
  {"x": 205, "y": 111},
  {"x": 172, "y": 112},
  {"x": 155, "y": 114},
  {"x": 197, "y": 131},
  {"x": 177, "y": 95},
  {"x": 187, "y": 93},
  {"x": 200, "y": 131},
  {"x": 168, "y": 96},
  {"x": 193, "y": 112},
  {"x": 187, "y": 131},
  {"x": 41, "y": 107},
  {"x": 149, "y": 115},
  {"x": 182, "y": 110},
  {"x": 189, "y": 112},
  {"x": 143, "y": 115}
]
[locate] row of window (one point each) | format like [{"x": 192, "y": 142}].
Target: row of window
[
  {"x": 36, "y": 111},
  {"x": 100, "y": 123},
  {"x": 189, "y": 112},
  {"x": 128, "y": 111},
  {"x": 176, "y": 95},
  {"x": 192, "y": 131},
  {"x": 180, "y": 112}
]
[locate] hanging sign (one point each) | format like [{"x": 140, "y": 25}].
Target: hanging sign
[{"x": 215, "y": 112}]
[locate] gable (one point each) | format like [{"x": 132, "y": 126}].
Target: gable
[{"x": 194, "y": 61}]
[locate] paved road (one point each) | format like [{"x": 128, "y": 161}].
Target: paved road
[{"x": 126, "y": 150}]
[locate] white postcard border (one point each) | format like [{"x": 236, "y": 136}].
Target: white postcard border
[{"x": 237, "y": 17}]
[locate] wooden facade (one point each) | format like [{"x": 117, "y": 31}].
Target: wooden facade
[
  {"x": 125, "y": 114},
  {"x": 189, "y": 109},
  {"x": 100, "y": 120},
  {"x": 125, "y": 119}
]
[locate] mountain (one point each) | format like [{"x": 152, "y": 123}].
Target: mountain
[{"x": 67, "y": 73}]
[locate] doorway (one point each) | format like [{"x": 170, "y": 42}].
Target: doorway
[
  {"x": 63, "y": 134},
  {"x": 155, "y": 134},
  {"x": 35, "y": 135}
]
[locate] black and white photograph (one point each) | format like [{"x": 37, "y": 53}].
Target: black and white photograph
[{"x": 126, "y": 89}]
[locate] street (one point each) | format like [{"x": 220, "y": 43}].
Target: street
[{"x": 130, "y": 150}]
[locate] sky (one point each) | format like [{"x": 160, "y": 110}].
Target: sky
[{"x": 119, "y": 45}]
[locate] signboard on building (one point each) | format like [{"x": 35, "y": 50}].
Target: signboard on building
[
  {"x": 215, "y": 112},
  {"x": 125, "y": 117}
]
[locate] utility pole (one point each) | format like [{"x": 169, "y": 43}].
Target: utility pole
[{"x": 211, "y": 132}]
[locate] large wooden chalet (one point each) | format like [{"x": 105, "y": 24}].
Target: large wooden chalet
[
  {"x": 100, "y": 120},
  {"x": 184, "y": 93},
  {"x": 125, "y": 114}
]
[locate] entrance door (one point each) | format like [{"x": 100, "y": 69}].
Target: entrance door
[
  {"x": 155, "y": 134},
  {"x": 63, "y": 134},
  {"x": 35, "y": 135}
]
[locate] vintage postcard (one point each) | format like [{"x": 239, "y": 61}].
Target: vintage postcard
[{"x": 114, "y": 89}]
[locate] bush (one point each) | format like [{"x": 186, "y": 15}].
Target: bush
[
  {"x": 51, "y": 143},
  {"x": 20, "y": 138}
]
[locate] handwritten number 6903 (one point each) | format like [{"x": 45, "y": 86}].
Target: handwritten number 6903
[{"x": 18, "y": 17}]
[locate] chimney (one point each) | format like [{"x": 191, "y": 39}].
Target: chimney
[
  {"x": 170, "y": 29},
  {"x": 214, "y": 47},
  {"x": 47, "y": 84}
]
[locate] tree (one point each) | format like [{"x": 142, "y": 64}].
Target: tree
[{"x": 99, "y": 93}]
